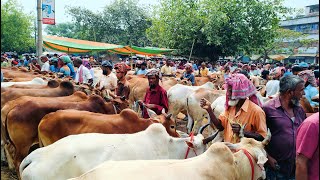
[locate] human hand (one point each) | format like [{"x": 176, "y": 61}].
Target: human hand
[
  {"x": 205, "y": 104},
  {"x": 273, "y": 163},
  {"x": 236, "y": 128}
]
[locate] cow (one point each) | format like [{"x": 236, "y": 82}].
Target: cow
[
  {"x": 194, "y": 111},
  {"x": 36, "y": 80},
  {"x": 87, "y": 122},
  {"x": 75, "y": 97},
  {"x": 76, "y": 154},
  {"x": 49, "y": 84},
  {"x": 65, "y": 88},
  {"x": 23, "y": 120},
  {"x": 222, "y": 160},
  {"x": 177, "y": 97}
]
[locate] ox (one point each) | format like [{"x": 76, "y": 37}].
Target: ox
[
  {"x": 76, "y": 154},
  {"x": 49, "y": 84},
  {"x": 177, "y": 96},
  {"x": 23, "y": 120},
  {"x": 33, "y": 81},
  {"x": 87, "y": 122},
  {"x": 65, "y": 88},
  {"x": 241, "y": 161}
]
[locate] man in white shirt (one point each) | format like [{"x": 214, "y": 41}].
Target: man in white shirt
[
  {"x": 83, "y": 74},
  {"x": 109, "y": 80},
  {"x": 46, "y": 66},
  {"x": 273, "y": 86}
]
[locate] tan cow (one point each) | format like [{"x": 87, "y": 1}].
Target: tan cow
[
  {"x": 79, "y": 122},
  {"x": 65, "y": 88}
]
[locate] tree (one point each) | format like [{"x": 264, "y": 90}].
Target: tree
[
  {"x": 16, "y": 28},
  {"x": 219, "y": 27},
  {"x": 63, "y": 29}
]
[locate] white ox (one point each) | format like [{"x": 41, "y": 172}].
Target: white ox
[
  {"x": 36, "y": 80},
  {"x": 76, "y": 154},
  {"x": 218, "y": 162},
  {"x": 177, "y": 97}
]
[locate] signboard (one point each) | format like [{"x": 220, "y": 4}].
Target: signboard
[{"x": 48, "y": 12}]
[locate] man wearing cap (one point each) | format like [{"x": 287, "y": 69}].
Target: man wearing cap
[
  {"x": 109, "y": 80},
  {"x": 142, "y": 69},
  {"x": 123, "y": 90},
  {"x": 156, "y": 97},
  {"x": 242, "y": 108},
  {"x": 46, "y": 66},
  {"x": 304, "y": 65},
  {"x": 83, "y": 74},
  {"x": 167, "y": 70},
  {"x": 54, "y": 65}
]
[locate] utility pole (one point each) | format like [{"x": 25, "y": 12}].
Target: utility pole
[{"x": 39, "y": 17}]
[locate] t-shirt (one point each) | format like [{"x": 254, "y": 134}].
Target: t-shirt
[
  {"x": 109, "y": 81},
  {"x": 307, "y": 144},
  {"x": 140, "y": 71},
  {"x": 86, "y": 75},
  {"x": 45, "y": 66},
  {"x": 166, "y": 70},
  {"x": 204, "y": 72}
]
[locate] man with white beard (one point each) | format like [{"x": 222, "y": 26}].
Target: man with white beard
[{"x": 242, "y": 108}]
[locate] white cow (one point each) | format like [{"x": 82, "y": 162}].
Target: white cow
[
  {"x": 218, "y": 162},
  {"x": 177, "y": 96},
  {"x": 194, "y": 111},
  {"x": 76, "y": 154},
  {"x": 36, "y": 80}
]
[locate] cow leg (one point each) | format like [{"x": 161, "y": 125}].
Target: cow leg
[
  {"x": 190, "y": 123},
  {"x": 9, "y": 151}
]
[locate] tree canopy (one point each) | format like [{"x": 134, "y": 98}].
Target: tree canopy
[
  {"x": 218, "y": 27},
  {"x": 16, "y": 28}
]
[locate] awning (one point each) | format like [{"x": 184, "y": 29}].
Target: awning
[
  {"x": 304, "y": 55},
  {"x": 70, "y": 45},
  {"x": 278, "y": 57}
]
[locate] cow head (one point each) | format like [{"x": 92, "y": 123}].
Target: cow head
[
  {"x": 185, "y": 82},
  {"x": 120, "y": 104},
  {"x": 166, "y": 120},
  {"x": 256, "y": 149}
]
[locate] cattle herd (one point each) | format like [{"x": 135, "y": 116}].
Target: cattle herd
[{"x": 55, "y": 129}]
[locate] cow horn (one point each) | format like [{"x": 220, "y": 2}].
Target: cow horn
[
  {"x": 202, "y": 128},
  {"x": 241, "y": 133},
  {"x": 168, "y": 116},
  {"x": 267, "y": 139},
  {"x": 210, "y": 138}
]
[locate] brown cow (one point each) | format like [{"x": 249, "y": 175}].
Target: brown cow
[
  {"x": 65, "y": 88},
  {"x": 52, "y": 126},
  {"x": 75, "y": 97},
  {"x": 51, "y": 84},
  {"x": 22, "y": 121}
]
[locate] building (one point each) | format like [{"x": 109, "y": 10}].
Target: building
[{"x": 307, "y": 24}]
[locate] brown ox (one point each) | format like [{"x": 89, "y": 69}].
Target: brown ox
[
  {"x": 52, "y": 126},
  {"x": 51, "y": 84},
  {"x": 22, "y": 121},
  {"x": 65, "y": 88},
  {"x": 216, "y": 78}
]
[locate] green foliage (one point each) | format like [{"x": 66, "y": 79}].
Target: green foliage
[
  {"x": 16, "y": 28},
  {"x": 62, "y": 29},
  {"x": 219, "y": 27}
]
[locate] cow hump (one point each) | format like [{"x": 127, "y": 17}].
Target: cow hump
[
  {"x": 53, "y": 83},
  {"x": 66, "y": 85}
]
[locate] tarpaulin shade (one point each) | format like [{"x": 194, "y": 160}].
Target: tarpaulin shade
[
  {"x": 75, "y": 45},
  {"x": 70, "y": 45}
]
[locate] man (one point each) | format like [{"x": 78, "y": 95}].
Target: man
[
  {"x": 4, "y": 62},
  {"x": 242, "y": 107},
  {"x": 188, "y": 74},
  {"x": 167, "y": 70},
  {"x": 123, "y": 90},
  {"x": 272, "y": 86},
  {"x": 296, "y": 69},
  {"x": 34, "y": 65},
  {"x": 284, "y": 116},
  {"x": 254, "y": 71},
  {"x": 46, "y": 66},
  {"x": 109, "y": 80},
  {"x": 204, "y": 71},
  {"x": 304, "y": 65},
  {"x": 156, "y": 97},
  {"x": 142, "y": 69},
  {"x": 307, "y": 153},
  {"x": 83, "y": 74},
  {"x": 310, "y": 89}
]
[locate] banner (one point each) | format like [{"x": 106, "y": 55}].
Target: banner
[{"x": 48, "y": 12}]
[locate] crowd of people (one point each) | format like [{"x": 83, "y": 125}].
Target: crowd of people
[{"x": 293, "y": 152}]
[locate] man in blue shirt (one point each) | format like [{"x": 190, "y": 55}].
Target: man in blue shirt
[
  {"x": 310, "y": 89},
  {"x": 188, "y": 74},
  {"x": 142, "y": 69}
]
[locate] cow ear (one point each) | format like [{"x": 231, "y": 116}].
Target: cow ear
[
  {"x": 163, "y": 111},
  {"x": 262, "y": 159},
  {"x": 190, "y": 144}
]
